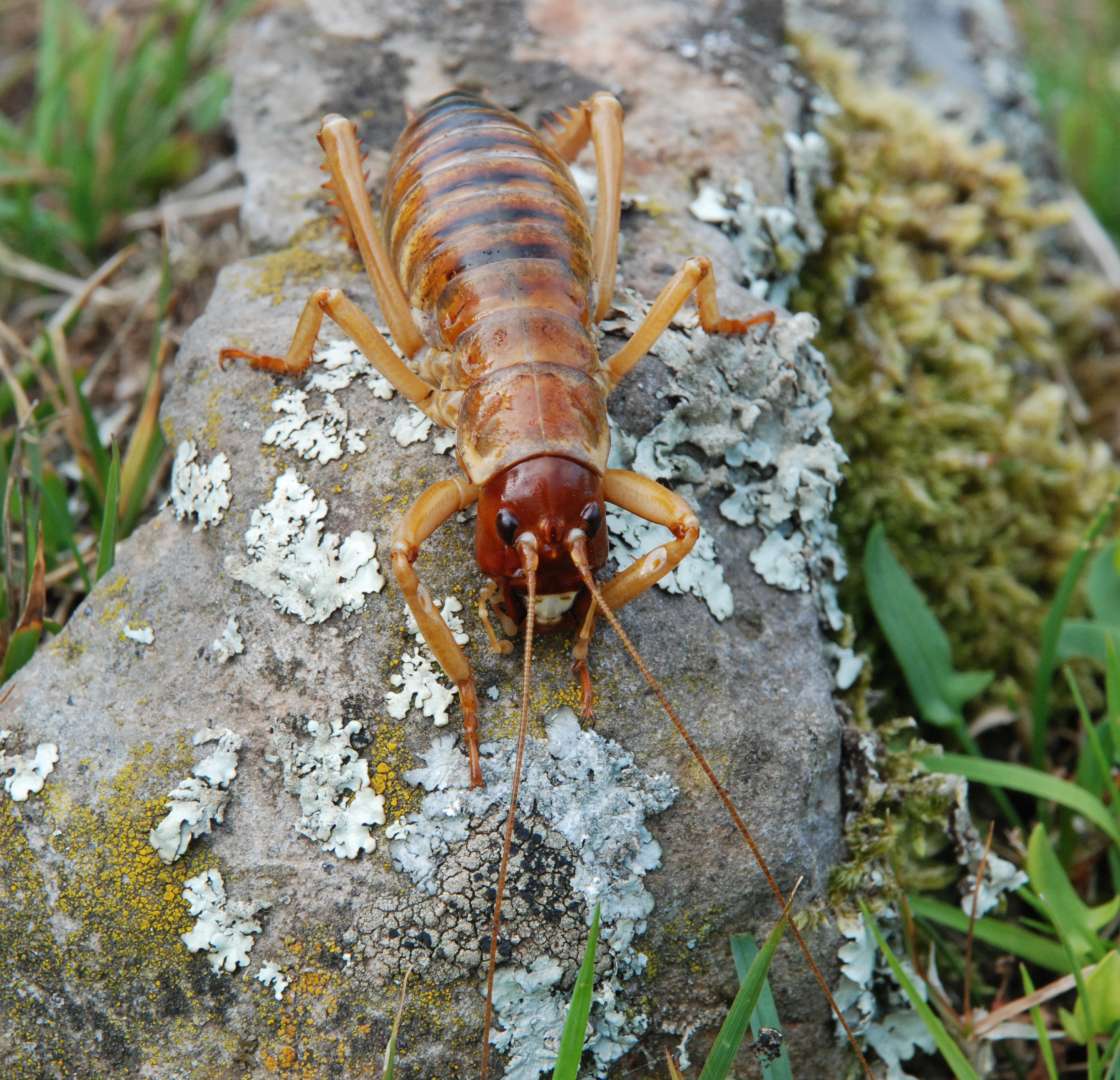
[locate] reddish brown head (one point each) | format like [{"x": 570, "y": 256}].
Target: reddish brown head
[{"x": 547, "y": 497}]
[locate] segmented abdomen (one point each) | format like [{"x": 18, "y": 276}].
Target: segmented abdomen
[{"x": 482, "y": 217}]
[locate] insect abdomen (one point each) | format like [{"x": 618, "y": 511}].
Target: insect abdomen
[
  {"x": 492, "y": 247},
  {"x": 483, "y": 220}
]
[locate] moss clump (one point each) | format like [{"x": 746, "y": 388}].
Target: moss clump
[{"x": 947, "y": 321}]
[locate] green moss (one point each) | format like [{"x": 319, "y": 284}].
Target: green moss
[{"x": 947, "y": 321}]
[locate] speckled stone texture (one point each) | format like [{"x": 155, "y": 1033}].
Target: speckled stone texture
[{"x": 94, "y": 979}]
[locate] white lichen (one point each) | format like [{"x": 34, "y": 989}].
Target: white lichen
[
  {"x": 141, "y": 633},
  {"x": 228, "y": 644},
  {"x": 304, "y": 571},
  {"x": 199, "y": 491},
  {"x": 698, "y": 573},
  {"x": 873, "y": 1002},
  {"x": 224, "y": 928},
  {"x": 331, "y": 779},
  {"x": 26, "y": 774},
  {"x": 420, "y": 685},
  {"x": 1000, "y": 875},
  {"x": 589, "y": 791},
  {"x": 758, "y": 412},
  {"x": 445, "y": 766},
  {"x": 271, "y": 975},
  {"x": 420, "y": 681},
  {"x": 340, "y": 363},
  {"x": 321, "y": 435},
  {"x": 199, "y": 801}
]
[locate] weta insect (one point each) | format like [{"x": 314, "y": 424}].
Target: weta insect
[{"x": 491, "y": 280}]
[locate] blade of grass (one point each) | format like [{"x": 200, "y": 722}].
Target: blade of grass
[
  {"x": 1009, "y": 937},
  {"x": 744, "y": 950},
  {"x": 950, "y": 1052},
  {"x": 1045, "y": 1047},
  {"x": 54, "y": 503},
  {"x": 721, "y": 1058},
  {"x": 1052, "y": 629},
  {"x": 107, "y": 542},
  {"x": 1034, "y": 782},
  {"x": 389, "y": 1068},
  {"x": 921, "y": 647},
  {"x": 916, "y": 638},
  {"x": 1093, "y": 769},
  {"x": 579, "y": 1008}
]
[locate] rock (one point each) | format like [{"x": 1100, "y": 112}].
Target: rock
[{"x": 299, "y": 949}]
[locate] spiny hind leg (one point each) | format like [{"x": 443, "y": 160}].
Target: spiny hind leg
[
  {"x": 339, "y": 139},
  {"x": 695, "y": 276},
  {"x": 598, "y": 119},
  {"x": 428, "y": 513},
  {"x": 651, "y": 502},
  {"x": 357, "y": 325}
]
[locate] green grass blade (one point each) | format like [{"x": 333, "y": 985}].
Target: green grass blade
[
  {"x": 721, "y": 1058},
  {"x": 916, "y": 637},
  {"x": 1044, "y": 1045},
  {"x": 950, "y": 1052},
  {"x": 579, "y": 1008},
  {"x": 744, "y": 950},
  {"x": 1059, "y": 900},
  {"x": 1052, "y": 629},
  {"x": 56, "y": 511},
  {"x": 1094, "y": 773},
  {"x": 1007, "y": 937},
  {"x": 107, "y": 542},
  {"x": 389, "y": 1066},
  {"x": 21, "y": 647},
  {"x": 1030, "y": 781}
]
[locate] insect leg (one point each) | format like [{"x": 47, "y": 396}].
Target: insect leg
[
  {"x": 337, "y": 306},
  {"x": 486, "y": 599},
  {"x": 339, "y": 140},
  {"x": 428, "y": 513},
  {"x": 599, "y": 119},
  {"x": 696, "y": 275},
  {"x": 649, "y": 500}
]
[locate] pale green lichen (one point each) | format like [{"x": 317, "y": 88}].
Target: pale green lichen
[{"x": 946, "y": 319}]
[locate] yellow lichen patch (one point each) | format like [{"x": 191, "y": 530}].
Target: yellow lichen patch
[
  {"x": 114, "y": 885},
  {"x": 115, "y": 598},
  {"x": 68, "y": 647},
  {"x": 295, "y": 264},
  {"x": 389, "y": 760},
  {"x": 213, "y": 418},
  {"x": 296, "y": 1045}
]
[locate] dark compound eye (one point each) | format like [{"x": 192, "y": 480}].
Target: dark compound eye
[
  {"x": 507, "y": 525},
  {"x": 592, "y": 516}
]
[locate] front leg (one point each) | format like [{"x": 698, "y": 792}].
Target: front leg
[
  {"x": 427, "y": 514},
  {"x": 649, "y": 500}
]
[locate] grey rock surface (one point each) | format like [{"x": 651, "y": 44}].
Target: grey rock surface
[{"x": 96, "y": 978}]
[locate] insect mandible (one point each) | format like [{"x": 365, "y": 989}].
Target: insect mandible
[{"x": 492, "y": 281}]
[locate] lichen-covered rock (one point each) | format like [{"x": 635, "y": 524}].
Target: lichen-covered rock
[{"x": 96, "y": 976}]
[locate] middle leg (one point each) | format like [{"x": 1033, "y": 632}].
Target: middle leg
[
  {"x": 696, "y": 276},
  {"x": 649, "y": 500}
]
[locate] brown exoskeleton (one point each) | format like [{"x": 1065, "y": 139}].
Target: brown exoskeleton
[{"x": 492, "y": 281}]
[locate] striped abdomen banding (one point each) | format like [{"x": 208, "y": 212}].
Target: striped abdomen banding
[
  {"x": 491, "y": 243},
  {"x": 481, "y": 216}
]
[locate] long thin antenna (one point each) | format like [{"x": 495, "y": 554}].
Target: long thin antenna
[
  {"x": 527, "y": 547},
  {"x": 577, "y": 544}
]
